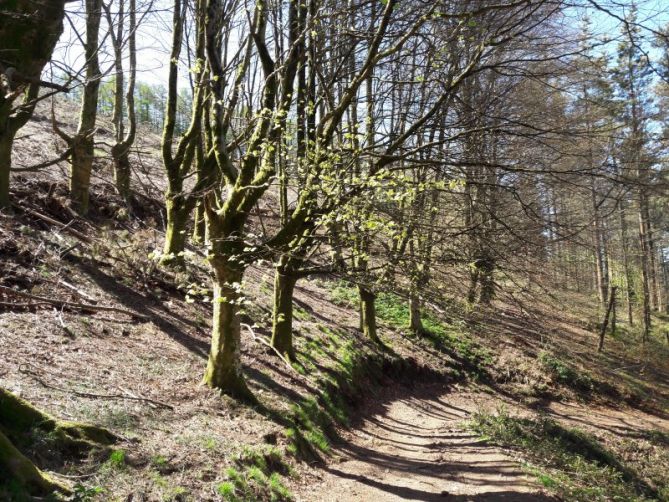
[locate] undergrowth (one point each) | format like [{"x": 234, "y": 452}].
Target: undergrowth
[
  {"x": 569, "y": 462},
  {"x": 566, "y": 374},
  {"x": 256, "y": 475},
  {"x": 450, "y": 338},
  {"x": 341, "y": 368}
]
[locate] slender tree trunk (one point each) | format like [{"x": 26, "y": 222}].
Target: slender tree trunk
[
  {"x": 487, "y": 267},
  {"x": 83, "y": 143},
  {"x": 121, "y": 162},
  {"x": 614, "y": 314},
  {"x": 206, "y": 178},
  {"x": 601, "y": 273},
  {"x": 80, "y": 173},
  {"x": 199, "y": 225},
  {"x": 653, "y": 284},
  {"x": 626, "y": 264},
  {"x": 415, "y": 319},
  {"x": 656, "y": 280},
  {"x": 473, "y": 284},
  {"x": 660, "y": 291},
  {"x": 178, "y": 161},
  {"x": 602, "y": 332},
  {"x": 120, "y": 150},
  {"x": 645, "y": 266},
  {"x": 282, "y": 326}
]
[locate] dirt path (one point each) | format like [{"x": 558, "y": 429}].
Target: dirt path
[{"x": 414, "y": 448}]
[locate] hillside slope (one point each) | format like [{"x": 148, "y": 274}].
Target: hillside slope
[{"x": 133, "y": 361}]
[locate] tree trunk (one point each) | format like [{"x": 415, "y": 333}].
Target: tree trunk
[
  {"x": 415, "y": 319},
  {"x": 207, "y": 179},
  {"x": 120, "y": 150},
  {"x": 82, "y": 144},
  {"x": 487, "y": 267},
  {"x": 626, "y": 264},
  {"x": 645, "y": 266},
  {"x": 614, "y": 313},
  {"x": 199, "y": 225},
  {"x": 175, "y": 231},
  {"x": 80, "y": 174},
  {"x": 657, "y": 274},
  {"x": 6, "y": 141},
  {"x": 122, "y": 173},
  {"x": 652, "y": 265},
  {"x": 224, "y": 368},
  {"x": 368, "y": 314},
  {"x": 602, "y": 332},
  {"x": 282, "y": 327},
  {"x": 473, "y": 283},
  {"x": 28, "y": 34},
  {"x": 179, "y": 161}
]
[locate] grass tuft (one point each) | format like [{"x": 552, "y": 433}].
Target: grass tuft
[{"x": 569, "y": 462}]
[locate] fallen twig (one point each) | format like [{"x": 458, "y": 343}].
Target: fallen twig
[
  {"x": 24, "y": 305},
  {"x": 78, "y": 291},
  {"x": 63, "y": 303},
  {"x": 24, "y": 370},
  {"x": 51, "y": 221},
  {"x": 266, "y": 343}
]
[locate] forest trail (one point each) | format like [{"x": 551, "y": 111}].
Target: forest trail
[{"x": 415, "y": 448}]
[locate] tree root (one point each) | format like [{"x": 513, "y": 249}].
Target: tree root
[
  {"x": 23, "y": 474},
  {"x": 20, "y": 422}
]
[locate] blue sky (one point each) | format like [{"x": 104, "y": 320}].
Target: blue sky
[{"x": 154, "y": 35}]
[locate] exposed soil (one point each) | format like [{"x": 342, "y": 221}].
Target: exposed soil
[{"x": 413, "y": 446}]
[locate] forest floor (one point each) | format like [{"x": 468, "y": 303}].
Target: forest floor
[
  {"x": 416, "y": 445},
  {"x": 510, "y": 402}
]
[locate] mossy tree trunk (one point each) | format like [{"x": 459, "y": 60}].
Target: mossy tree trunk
[
  {"x": 80, "y": 173},
  {"x": 368, "y": 314},
  {"x": 206, "y": 177},
  {"x": 199, "y": 226},
  {"x": 178, "y": 160},
  {"x": 122, "y": 170},
  {"x": 82, "y": 144},
  {"x": 415, "y": 318},
  {"x": 224, "y": 367},
  {"x": 245, "y": 182},
  {"x": 282, "y": 323},
  {"x": 20, "y": 421},
  {"x": 178, "y": 212},
  {"x": 23, "y": 474},
  {"x": 28, "y": 36},
  {"x": 120, "y": 150}
]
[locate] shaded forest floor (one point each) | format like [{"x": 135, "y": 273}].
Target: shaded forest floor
[{"x": 496, "y": 387}]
